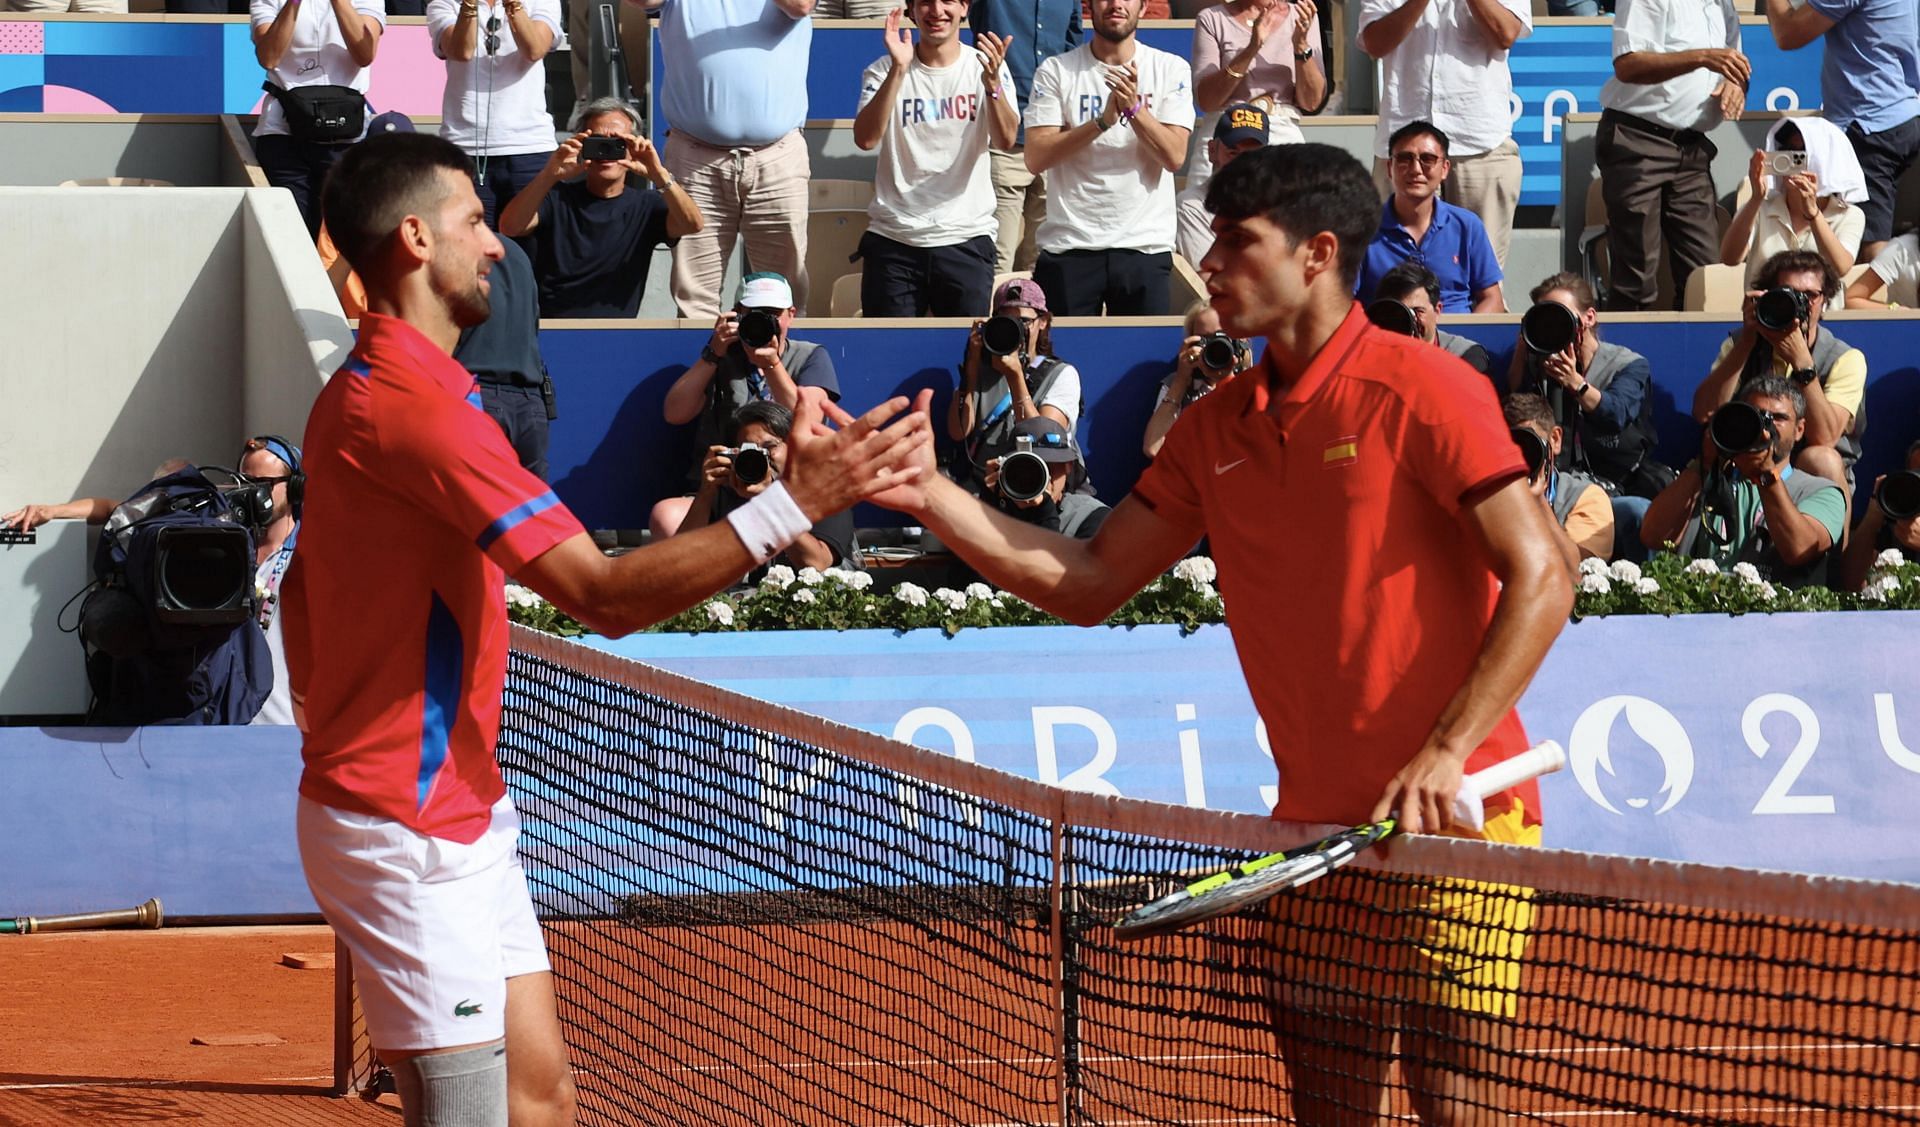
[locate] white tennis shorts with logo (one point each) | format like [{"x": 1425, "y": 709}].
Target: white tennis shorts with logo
[{"x": 435, "y": 927}]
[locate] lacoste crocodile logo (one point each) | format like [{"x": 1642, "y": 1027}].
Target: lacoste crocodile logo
[{"x": 465, "y": 1008}]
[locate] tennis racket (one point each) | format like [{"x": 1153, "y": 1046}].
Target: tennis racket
[{"x": 1262, "y": 877}]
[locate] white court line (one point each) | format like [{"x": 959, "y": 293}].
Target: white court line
[
  {"x": 111, "y": 1083},
  {"x": 1720, "y": 1111},
  {"x": 1830, "y": 1046}
]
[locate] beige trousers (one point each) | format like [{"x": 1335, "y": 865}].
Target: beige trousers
[
  {"x": 756, "y": 195},
  {"x": 1020, "y": 203}
]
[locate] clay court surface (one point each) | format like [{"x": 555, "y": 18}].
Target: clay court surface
[{"x": 97, "y": 1027}]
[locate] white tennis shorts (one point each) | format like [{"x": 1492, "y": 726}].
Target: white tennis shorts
[{"x": 435, "y": 927}]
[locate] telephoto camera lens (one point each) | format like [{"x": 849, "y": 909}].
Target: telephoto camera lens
[
  {"x": 1394, "y": 316},
  {"x": 750, "y": 464},
  {"x": 1023, "y": 474},
  {"x": 1532, "y": 449},
  {"x": 1219, "y": 353},
  {"x": 758, "y": 328},
  {"x": 1740, "y": 428},
  {"x": 1899, "y": 495},
  {"x": 1548, "y": 327},
  {"x": 1779, "y": 308},
  {"x": 1003, "y": 335}
]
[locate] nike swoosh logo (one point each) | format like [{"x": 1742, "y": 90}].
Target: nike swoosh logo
[{"x": 1220, "y": 469}]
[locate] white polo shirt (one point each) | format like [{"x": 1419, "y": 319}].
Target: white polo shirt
[
  {"x": 934, "y": 187},
  {"x": 1664, "y": 27},
  {"x": 1446, "y": 71},
  {"x": 318, "y": 55},
  {"x": 1113, "y": 194},
  {"x": 494, "y": 105},
  {"x": 1899, "y": 267}
]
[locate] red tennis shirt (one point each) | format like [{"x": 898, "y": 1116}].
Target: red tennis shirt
[
  {"x": 395, "y": 611},
  {"x": 1357, "y": 597}
]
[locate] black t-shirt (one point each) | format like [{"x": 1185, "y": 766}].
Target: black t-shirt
[
  {"x": 505, "y": 348},
  {"x": 592, "y": 254},
  {"x": 835, "y": 531}
]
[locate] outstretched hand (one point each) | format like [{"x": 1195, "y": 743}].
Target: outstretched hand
[
  {"x": 910, "y": 495},
  {"x": 830, "y": 469},
  {"x": 1420, "y": 797}
]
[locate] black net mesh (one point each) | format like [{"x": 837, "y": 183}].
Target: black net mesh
[{"x": 747, "y": 928}]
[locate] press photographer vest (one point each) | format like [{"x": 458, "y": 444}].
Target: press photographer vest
[
  {"x": 733, "y": 387},
  {"x": 1454, "y": 345},
  {"x": 1568, "y": 487},
  {"x": 1827, "y": 350},
  {"x": 1758, "y": 549},
  {"x": 993, "y": 432},
  {"x": 1609, "y": 457}
]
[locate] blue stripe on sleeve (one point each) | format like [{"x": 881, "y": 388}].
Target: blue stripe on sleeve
[{"x": 509, "y": 520}]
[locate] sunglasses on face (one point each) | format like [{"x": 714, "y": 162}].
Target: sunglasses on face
[{"x": 1424, "y": 160}]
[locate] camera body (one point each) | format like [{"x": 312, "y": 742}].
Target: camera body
[
  {"x": 1784, "y": 162},
  {"x": 751, "y": 465},
  {"x": 1899, "y": 495},
  {"x": 1548, "y": 328},
  {"x": 1394, "y": 316},
  {"x": 1741, "y": 428},
  {"x": 1023, "y": 474},
  {"x": 1220, "y": 353},
  {"x": 759, "y": 328},
  {"x": 602, "y": 150},
  {"x": 1780, "y": 307},
  {"x": 1002, "y": 335},
  {"x": 1533, "y": 449}
]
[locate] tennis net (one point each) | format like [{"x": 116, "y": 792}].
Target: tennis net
[{"x": 758, "y": 916}]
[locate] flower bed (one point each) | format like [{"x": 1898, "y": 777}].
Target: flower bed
[{"x": 837, "y": 599}]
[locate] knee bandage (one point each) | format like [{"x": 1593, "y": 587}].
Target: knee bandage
[{"x": 463, "y": 1089}]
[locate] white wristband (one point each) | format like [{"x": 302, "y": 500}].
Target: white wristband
[{"x": 769, "y": 522}]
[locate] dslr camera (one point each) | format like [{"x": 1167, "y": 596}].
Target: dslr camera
[
  {"x": 1548, "y": 328},
  {"x": 1002, "y": 335},
  {"x": 751, "y": 466},
  {"x": 1741, "y": 428},
  {"x": 1220, "y": 353},
  {"x": 1394, "y": 316},
  {"x": 1532, "y": 448},
  {"x": 759, "y": 327},
  {"x": 1780, "y": 307},
  {"x": 1899, "y": 495},
  {"x": 1023, "y": 474}
]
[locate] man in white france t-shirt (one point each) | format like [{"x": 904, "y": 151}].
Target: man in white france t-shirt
[
  {"x": 932, "y": 109},
  {"x": 1108, "y": 122},
  {"x": 495, "y": 102}
]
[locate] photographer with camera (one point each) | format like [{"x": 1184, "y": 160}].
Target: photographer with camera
[
  {"x": 1597, "y": 390},
  {"x": 1815, "y": 183},
  {"x": 1743, "y": 501},
  {"x": 1781, "y": 335},
  {"x": 593, "y": 232},
  {"x": 1208, "y": 357},
  {"x": 748, "y": 358},
  {"x": 753, "y": 458},
  {"x": 1407, "y": 301},
  {"x": 1009, "y": 375},
  {"x": 1580, "y": 506},
  {"x": 1892, "y": 521},
  {"x": 1038, "y": 478}
]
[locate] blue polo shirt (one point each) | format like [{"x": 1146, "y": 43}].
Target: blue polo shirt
[
  {"x": 735, "y": 74},
  {"x": 1870, "y": 72},
  {"x": 1037, "y": 30},
  {"x": 1456, "y": 249}
]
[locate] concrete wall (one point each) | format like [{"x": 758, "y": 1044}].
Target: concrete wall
[{"x": 46, "y": 149}]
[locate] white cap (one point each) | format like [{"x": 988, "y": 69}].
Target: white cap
[{"x": 765, "y": 291}]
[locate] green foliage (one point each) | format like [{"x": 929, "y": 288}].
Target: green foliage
[{"x": 1670, "y": 585}]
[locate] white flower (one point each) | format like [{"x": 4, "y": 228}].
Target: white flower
[
  {"x": 911, "y": 594},
  {"x": 1206, "y": 591},
  {"x": 518, "y": 596},
  {"x": 1892, "y": 557},
  {"x": 1766, "y": 590},
  {"x": 997, "y": 603},
  {"x": 951, "y": 599},
  {"x": 1646, "y": 586},
  {"x": 1593, "y": 565},
  {"x": 1196, "y": 570},
  {"x": 804, "y": 596},
  {"x": 1626, "y": 571},
  {"x": 811, "y": 577},
  {"x": 1703, "y": 567},
  {"x": 1747, "y": 573},
  {"x": 1882, "y": 589},
  {"x": 779, "y": 577},
  {"x": 720, "y": 613},
  {"x": 857, "y": 580},
  {"x": 979, "y": 591},
  {"x": 1596, "y": 582}
]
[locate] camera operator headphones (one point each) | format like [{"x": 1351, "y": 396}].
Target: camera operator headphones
[{"x": 287, "y": 452}]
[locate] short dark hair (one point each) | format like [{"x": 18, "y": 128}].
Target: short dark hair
[
  {"x": 1525, "y": 407},
  {"x": 379, "y": 182},
  {"x": 1775, "y": 387},
  {"x": 1303, "y": 189},
  {"x": 1414, "y": 129},
  {"x": 1406, "y": 278},
  {"x": 1566, "y": 280},
  {"x": 767, "y": 413},
  {"x": 1800, "y": 262}
]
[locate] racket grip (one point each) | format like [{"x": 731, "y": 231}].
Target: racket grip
[{"x": 1542, "y": 759}]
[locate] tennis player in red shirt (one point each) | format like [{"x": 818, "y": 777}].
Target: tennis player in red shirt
[
  {"x": 395, "y": 613},
  {"x": 1391, "y": 586}
]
